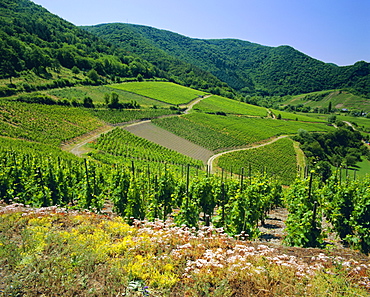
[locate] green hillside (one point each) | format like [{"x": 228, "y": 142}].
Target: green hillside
[
  {"x": 47, "y": 124},
  {"x": 245, "y": 66},
  {"x": 339, "y": 99},
  {"x": 39, "y": 50},
  {"x": 283, "y": 167}
]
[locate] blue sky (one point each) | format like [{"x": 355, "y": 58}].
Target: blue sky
[{"x": 333, "y": 31}]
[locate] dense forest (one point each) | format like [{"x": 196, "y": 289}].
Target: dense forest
[
  {"x": 32, "y": 39},
  {"x": 245, "y": 66}
]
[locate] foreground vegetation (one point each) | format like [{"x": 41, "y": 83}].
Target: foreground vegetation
[{"x": 54, "y": 251}]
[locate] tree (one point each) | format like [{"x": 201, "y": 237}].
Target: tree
[
  {"x": 75, "y": 70},
  {"x": 88, "y": 103},
  {"x": 106, "y": 98},
  {"x": 139, "y": 77},
  {"x": 93, "y": 75},
  {"x": 332, "y": 119},
  {"x": 114, "y": 101}
]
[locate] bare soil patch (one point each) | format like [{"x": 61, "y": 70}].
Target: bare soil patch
[{"x": 169, "y": 140}]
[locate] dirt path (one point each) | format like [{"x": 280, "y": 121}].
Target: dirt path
[
  {"x": 196, "y": 101},
  {"x": 77, "y": 146},
  {"x": 252, "y": 146}
]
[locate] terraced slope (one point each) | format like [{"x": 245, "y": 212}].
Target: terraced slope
[{"x": 167, "y": 139}]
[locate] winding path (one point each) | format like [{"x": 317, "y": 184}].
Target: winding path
[
  {"x": 78, "y": 145},
  {"x": 211, "y": 159}
]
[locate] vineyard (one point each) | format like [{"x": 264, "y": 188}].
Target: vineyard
[
  {"x": 128, "y": 115},
  {"x": 49, "y": 124},
  {"x": 97, "y": 93},
  {"x": 144, "y": 185},
  {"x": 124, "y": 144},
  {"x": 297, "y": 117},
  {"x": 341, "y": 201},
  {"x": 216, "y": 104},
  {"x": 169, "y": 140},
  {"x": 217, "y": 132},
  {"x": 31, "y": 177},
  {"x": 162, "y": 91},
  {"x": 263, "y": 159}
]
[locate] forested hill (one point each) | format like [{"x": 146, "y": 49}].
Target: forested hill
[
  {"x": 33, "y": 39},
  {"x": 243, "y": 65}
]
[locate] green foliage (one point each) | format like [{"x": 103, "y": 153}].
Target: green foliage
[
  {"x": 174, "y": 69},
  {"x": 345, "y": 204},
  {"x": 320, "y": 101},
  {"x": 39, "y": 98},
  {"x": 303, "y": 225},
  {"x": 34, "y": 39},
  {"x": 250, "y": 206},
  {"x": 343, "y": 147},
  {"x": 93, "y": 75}
]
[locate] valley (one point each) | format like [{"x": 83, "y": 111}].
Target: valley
[{"x": 139, "y": 162}]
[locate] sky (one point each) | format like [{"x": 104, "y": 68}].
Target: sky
[{"x": 332, "y": 31}]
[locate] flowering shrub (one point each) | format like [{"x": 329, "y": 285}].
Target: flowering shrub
[{"x": 52, "y": 251}]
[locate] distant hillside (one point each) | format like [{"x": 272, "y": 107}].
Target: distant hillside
[
  {"x": 245, "y": 66},
  {"x": 320, "y": 101},
  {"x": 34, "y": 40}
]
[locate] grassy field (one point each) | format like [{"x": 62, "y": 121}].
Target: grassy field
[
  {"x": 220, "y": 132},
  {"x": 302, "y": 117},
  {"x": 229, "y": 106},
  {"x": 277, "y": 159},
  {"x": 97, "y": 93},
  {"x": 162, "y": 91},
  {"x": 360, "y": 123}
]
